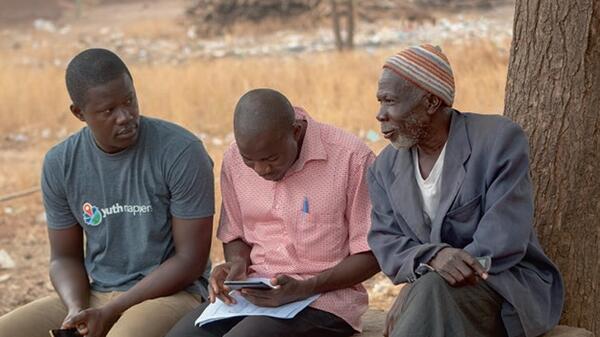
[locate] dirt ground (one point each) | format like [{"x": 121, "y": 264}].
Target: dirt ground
[
  {"x": 22, "y": 227},
  {"x": 23, "y": 11},
  {"x": 15, "y": 11}
]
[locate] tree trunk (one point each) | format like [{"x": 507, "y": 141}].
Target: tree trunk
[
  {"x": 553, "y": 91},
  {"x": 350, "y": 25},
  {"x": 335, "y": 17},
  {"x": 343, "y": 9}
]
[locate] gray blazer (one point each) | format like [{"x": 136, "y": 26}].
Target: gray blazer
[{"x": 486, "y": 208}]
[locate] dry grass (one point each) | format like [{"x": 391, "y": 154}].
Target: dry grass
[{"x": 335, "y": 88}]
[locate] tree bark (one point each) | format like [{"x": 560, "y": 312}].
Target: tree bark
[{"x": 553, "y": 91}]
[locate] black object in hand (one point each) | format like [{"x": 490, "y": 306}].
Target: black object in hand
[{"x": 64, "y": 333}]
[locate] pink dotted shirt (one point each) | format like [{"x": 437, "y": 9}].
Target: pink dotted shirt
[{"x": 309, "y": 221}]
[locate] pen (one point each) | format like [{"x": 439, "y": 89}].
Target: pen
[{"x": 305, "y": 205}]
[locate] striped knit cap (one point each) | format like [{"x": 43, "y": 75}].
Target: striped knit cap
[{"x": 426, "y": 67}]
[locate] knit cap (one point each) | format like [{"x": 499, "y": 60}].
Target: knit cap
[{"x": 427, "y": 67}]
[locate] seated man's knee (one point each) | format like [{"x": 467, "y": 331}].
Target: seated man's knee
[
  {"x": 428, "y": 286},
  {"x": 431, "y": 281},
  {"x": 19, "y": 328},
  {"x": 47, "y": 314},
  {"x": 244, "y": 333},
  {"x": 6, "y": 326}
]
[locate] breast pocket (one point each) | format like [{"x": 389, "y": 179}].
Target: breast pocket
[
  {"x": 460, "y": 223},
  {"x": 320, "y": 237}
]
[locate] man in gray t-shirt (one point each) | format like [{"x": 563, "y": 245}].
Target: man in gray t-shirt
[{"x": 141, "y": 193}]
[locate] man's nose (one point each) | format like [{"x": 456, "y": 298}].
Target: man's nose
[
  {"x": 123, "y": 115},
  {"x": 382, "y": 115},
  {"x": 262, "y": 168}
]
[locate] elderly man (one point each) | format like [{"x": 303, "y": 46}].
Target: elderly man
[
  {"x": 452, "y": 191},
  {"x": 295, "y": 210}
]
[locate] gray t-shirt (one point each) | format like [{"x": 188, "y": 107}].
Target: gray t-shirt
[{"x": 125, "y": 201}]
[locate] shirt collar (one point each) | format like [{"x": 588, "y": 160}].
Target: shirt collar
[{"x": 312, "y": 145}]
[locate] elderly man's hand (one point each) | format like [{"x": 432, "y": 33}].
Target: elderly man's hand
[
  {"x": 457, "y": 267},
  {"x": 287, "y": 290}
]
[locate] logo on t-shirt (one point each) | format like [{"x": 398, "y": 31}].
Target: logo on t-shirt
[{"x": 91, "y": 214}]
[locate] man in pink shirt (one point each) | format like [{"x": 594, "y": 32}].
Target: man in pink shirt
[{"x": 296, "y": 210}]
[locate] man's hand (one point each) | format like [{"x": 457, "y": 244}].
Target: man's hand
[
  {"x": 234, "y": 271},
  {"x": 457, "y": 267},
  {"x": 287, "y": 290},
  {"x": 92, "y": 322},
  {"x": 66, "y": 322}
]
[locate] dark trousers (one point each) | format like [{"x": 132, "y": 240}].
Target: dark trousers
[
  {"x": 308, "y": 323},
  {"x": 433, "y": 308}
]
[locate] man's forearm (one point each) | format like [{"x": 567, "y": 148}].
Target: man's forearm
[
  {"x": 172, "y": 276},
  {"x": 237, "y": 251},
  {"x": 352, "y": 270},
  {"x": 192, "y": 238},
  {"x": 71, "y": 282}
]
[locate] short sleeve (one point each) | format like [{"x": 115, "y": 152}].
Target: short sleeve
[
  {"x": 230, "y": 224},
  {"x": 58, "y": 212},
  {"x": 191, "y": 183},
  {"x": 358, "y": 207}
]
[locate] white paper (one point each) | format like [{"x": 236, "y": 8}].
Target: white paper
[{"x": 219, "y": 310}]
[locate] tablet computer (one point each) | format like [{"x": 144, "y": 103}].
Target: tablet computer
[{"x": 249, "y": 283}]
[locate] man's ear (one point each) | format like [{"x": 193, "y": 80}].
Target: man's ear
[
  {"x": 297, "y": 129},
  {"x": 433, "y": 103},
  {"x": 76, "y": 111}
]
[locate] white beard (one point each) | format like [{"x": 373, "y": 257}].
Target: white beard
[{"x": 403, "y": 142}]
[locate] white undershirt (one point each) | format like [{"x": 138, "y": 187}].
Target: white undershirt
[{"x": 431, "y": 188}]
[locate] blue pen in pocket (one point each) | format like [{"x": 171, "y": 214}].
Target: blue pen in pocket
[{"x": 305, "y": 208}]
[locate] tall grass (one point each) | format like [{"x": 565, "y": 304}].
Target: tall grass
[{"x": 335, "y": 88}]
